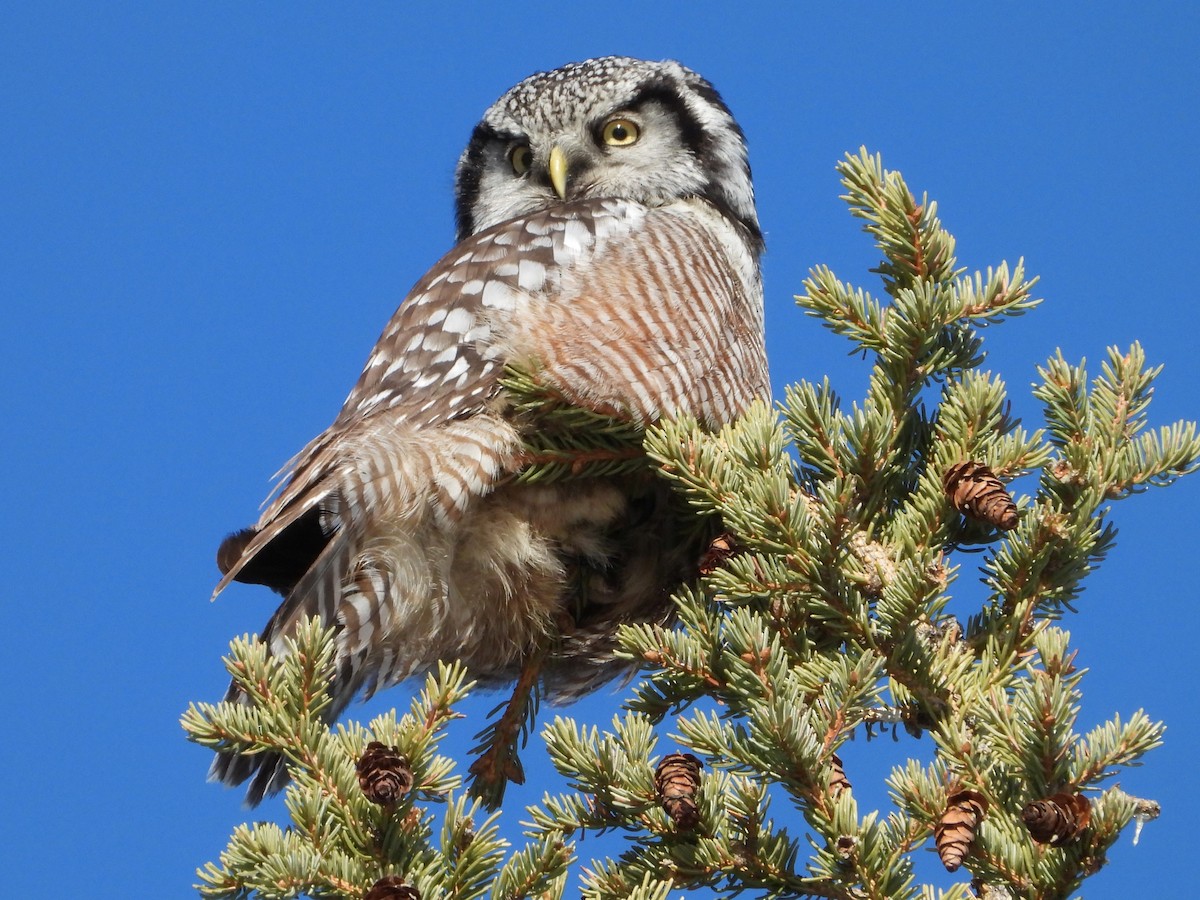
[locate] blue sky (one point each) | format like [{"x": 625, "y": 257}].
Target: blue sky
[{"x": 210, "y": 210}]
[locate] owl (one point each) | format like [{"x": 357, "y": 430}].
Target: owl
[{"x": 607, "y": 240}]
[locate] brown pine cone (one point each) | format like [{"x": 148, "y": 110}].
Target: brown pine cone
[
  {"x": 720, "y": 550},
  {"x": 837, "y": 775},
  {"x": 1058, "y": 819},
  {"x": 677, "y": 778},
  {"x": 383, "y": 774},
  {"x": 392, "y": 887},
  {"x": 975, "y": 491},
  {"x": 956, "y": 829}
]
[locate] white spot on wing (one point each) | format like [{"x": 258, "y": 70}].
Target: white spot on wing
[
  {"x": 396, "y": 366},
  {"x": 532, "y": 275},
  {"x": 446, "y": 356},
  {"x": 459, "y": 320},
  {"x": 459, "y": 368},
  {"x": 575, "y": 237},
  {"x": 497, "y": 294}
]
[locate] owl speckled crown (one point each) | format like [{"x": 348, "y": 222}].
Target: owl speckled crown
[
  {"x": 588, "y": 91},
  {"x": 595, "y": 85}
]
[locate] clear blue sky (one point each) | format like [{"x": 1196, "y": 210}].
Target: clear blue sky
[{"x": 210, "y": 210}]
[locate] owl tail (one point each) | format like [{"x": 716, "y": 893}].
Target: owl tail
[{"x": 308, "y": 566}]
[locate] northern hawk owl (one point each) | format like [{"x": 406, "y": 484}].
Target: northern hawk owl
[{"x": 608, "y": 241}]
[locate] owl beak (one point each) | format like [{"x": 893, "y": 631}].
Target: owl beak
[{"x": 558, "y": 172}]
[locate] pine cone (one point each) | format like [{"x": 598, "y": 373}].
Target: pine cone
[
  {"x": 975, "y": 491},
  {"x": 845, "y": 847},
  {"x": 720, "y": 550},
  {"x": 1058, "y": 819},
  {"x": 837, "y": 775},
  {"x": 383, "y": 774},
  {"x": 392, "y": 887},
  {"x": 676, "y": 778},
  {"x": 956, "y": 829}
]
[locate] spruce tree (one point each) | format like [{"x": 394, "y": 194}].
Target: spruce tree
[{"x": 819, "y": 614}]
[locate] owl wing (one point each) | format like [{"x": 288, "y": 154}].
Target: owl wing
[{"x": 435, "y": 364}]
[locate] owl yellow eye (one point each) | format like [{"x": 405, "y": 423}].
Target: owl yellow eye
[
  {"x": 620, "y": 133},
  {"x": 521, "y": 158}
]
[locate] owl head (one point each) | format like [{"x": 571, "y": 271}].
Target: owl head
[{"x": 616, "y": 127}]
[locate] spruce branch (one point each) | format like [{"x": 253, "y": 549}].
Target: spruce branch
[
  {"x": 915, "y": 246},
  {"x": 340, "y": 841},
  {"x": 565, "y": 441},
  {"x": 497, "y": 753}
]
